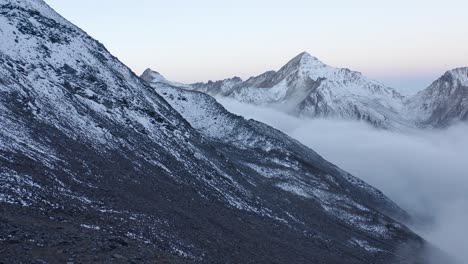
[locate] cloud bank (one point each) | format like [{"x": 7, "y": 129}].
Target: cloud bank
[{"x": 424, "y": 171}]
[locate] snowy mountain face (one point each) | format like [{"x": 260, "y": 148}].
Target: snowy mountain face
[
  {"x": 97, "y": 167},
  {"x": 307, "y": 87},
  {"x": 445, "y": 102}
]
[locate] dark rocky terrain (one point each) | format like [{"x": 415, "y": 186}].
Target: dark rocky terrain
[{"x": 97, "y": 167}]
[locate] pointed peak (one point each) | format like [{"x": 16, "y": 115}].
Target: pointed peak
[
  {"x": 150, "y": 71},
  {"x": 305, "y": 56},
  {"x": 304, "y": 53},
  {"x": 150, "y": 75},
  {"x": 305, "y": 60}
]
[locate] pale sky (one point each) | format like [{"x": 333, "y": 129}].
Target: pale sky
[{"x": 405, "y": 44}]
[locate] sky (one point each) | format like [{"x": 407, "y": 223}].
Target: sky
[{"x": 404, "y": 44}]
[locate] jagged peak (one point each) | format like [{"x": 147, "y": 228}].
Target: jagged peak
[
  {"x": 462, "y": 71},
  {"x": 235, "y": 78},
  {"x": 457, "y": 74}
]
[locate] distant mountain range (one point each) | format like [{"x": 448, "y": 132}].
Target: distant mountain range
[{"x": 306, "y": 87}]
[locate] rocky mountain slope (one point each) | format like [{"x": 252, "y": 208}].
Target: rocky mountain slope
[
  {"x": 97, "y": 167},
  {"x": 281, "y": 162},
  {"x": 444, "y": 102},
  {"x": 306, "y": 87}
]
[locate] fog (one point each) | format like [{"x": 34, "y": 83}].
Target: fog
[{"x": 424, "y": 171}]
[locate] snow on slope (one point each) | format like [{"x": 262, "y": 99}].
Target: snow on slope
[
  {"x": 444, "y": 102},
  {"x": 54, "y": 74},
  {"x": 216, "y": 123},
  {"x": 287, "y": 165}
]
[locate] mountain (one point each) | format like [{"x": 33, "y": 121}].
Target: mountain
[
  {"x": 270, "y": 160},
  {"x": 97, "y": 167},
  {"x": 214, "y": 88},
  {"x": 444, "y": 102},
  {"x": 153, "y": 76},
  {"x": 307, "y": 87}
]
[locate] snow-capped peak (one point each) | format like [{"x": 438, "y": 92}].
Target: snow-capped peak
[
  {"x": 444, "y": 102},
  {"x": 447, "y": 83},
  {"x": 307, "y": 60},
  {"x": 459, "y": 75},
  {"x": 150, "y": 75},
  {"x": 305, "y": 65}
]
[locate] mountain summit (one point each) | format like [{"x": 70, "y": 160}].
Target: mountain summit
[
  {"x": 154, "y": 76},
  {"x": 444, "y": 102},
  {"x": 305, "y": 61}
]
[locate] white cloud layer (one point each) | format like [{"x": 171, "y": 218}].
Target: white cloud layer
[{"x": 424, "y": 171}]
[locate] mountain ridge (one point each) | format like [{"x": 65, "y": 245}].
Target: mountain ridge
[{"x": 306, "y": 87}]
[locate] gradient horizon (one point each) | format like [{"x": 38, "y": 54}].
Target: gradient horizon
[{"x": 404, "y": 45}]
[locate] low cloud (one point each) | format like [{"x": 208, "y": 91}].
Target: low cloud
[{"x": 424, "y": 171}]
